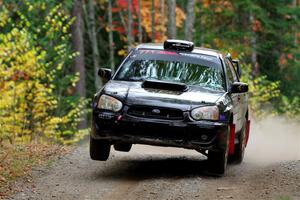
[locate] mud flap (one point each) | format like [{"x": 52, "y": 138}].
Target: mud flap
[
  {"x": 232, "y": 139},
  {"x": 247, "y": 131}
]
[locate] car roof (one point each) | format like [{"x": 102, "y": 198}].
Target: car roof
[{"x": 198, "y": 50}]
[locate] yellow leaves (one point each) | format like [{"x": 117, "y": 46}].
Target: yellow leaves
[
  {"x": 75, "y": 79},
  {"x": 21, "y": 61},
  {"x": 180, "y": 17},
  {"x": 29, "y": 97},
  {"x": 25, "y": 101},
  {"x": 217, "y": 5},
  {"x": 59, "y": 66},
  {"x": 57, "y": 22},
  {"x": 218, "y": 42},
  {"x": 122, "y": 52},
  {"x": 30, "y": 8},
  {"x": 4, "y": 17},
  {"x": 64, "y": 30},
  {"x": 52, "y": 86},
  {"x": 28, "y": 79},
  {"x": 43, "y": 6}
]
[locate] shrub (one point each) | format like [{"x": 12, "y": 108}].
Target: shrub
[{"x": 37, "y": 101}]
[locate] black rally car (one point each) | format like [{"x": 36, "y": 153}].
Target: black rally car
[{"x": 173, "y": 95}]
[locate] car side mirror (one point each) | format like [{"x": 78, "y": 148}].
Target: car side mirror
[
  {"x": 105, "y": 73},
  {"x": 238, "y": 67},
  {"x": 239, "y": 87}
]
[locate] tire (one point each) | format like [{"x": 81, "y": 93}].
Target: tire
[
  {"x": 122, "y": 147},
  {"x": 217, "y": 160},
  {"x": 99, "y": 149},
  {"x": 239, "y": 149}
]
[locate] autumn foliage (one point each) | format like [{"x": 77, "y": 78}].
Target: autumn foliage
[
  {"x": 146, "y": 9},
  {"x": 28, "y": 100}
]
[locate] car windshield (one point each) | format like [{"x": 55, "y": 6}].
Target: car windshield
[{"x": 188, "y": 68}]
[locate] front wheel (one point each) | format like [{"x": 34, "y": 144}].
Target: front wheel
[
  {"x": 99, "y": 149},
  {"x": 217, "y": 162},
  {"x": 218, "y": 159}
]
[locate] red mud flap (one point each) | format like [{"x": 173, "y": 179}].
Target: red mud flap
[
  {"x": 232, "y": 139},
  {"x": 247, "y": 131}
]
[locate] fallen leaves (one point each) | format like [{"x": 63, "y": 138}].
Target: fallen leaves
[{"x": 18, "y": 161}]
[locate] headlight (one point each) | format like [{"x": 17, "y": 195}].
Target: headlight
[
  {"x": 109, "y": 103},
  {"x": 207, "y": 113}
]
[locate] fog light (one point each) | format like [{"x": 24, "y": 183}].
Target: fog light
[{"x": 204, "y": 137}]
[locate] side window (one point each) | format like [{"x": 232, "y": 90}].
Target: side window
[{"x": 231, "y": 72}]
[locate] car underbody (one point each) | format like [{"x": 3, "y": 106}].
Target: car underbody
[{"x": 204, "y": 135}]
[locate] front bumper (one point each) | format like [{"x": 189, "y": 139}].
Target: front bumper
[{"x": 204, "y": 135}]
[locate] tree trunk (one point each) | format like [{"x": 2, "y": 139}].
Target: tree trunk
[
  {"x": 140, "y": 36},
  {"x": 200, "y": 25},
  {"x": 110, "y": 37},
  {"x": 94, "y": 42},
  {"x": 201, "y": 32},
  {"x": 78, "y": 46},
  {"x": 253, "y": 41},
  {"x": 295, "y": 26},
  {"x": 153, "y": 21},
  {"x": 172, "y": 19},
  {"x": 189, "y": 23},
  {"x": 129, "y": 30},
  {"x": 243, "y": 22},
  {"x": 162, "y": 13}
]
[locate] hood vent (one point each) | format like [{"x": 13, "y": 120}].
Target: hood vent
[{"x": 163, "y": 85}]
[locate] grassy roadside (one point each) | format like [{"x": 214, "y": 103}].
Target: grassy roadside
[{"x": 17, "y": 162}]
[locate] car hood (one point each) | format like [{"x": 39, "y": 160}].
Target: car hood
[{"x": 132, "y": 93}]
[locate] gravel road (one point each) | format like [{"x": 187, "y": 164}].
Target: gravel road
[{"x": 271, "y": 170}]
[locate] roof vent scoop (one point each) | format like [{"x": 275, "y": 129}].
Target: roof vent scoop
[{"x": 179, "y": 45}]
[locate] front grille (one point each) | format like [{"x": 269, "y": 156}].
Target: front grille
[
  {"x": 155, "y": 112},
  {"x": 166, "y": 132}
]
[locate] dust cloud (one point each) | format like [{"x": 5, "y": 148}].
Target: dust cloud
[{"x": 273, "y": 140}]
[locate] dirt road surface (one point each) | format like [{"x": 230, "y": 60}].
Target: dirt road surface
[{"x": 271, "y": 170}]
